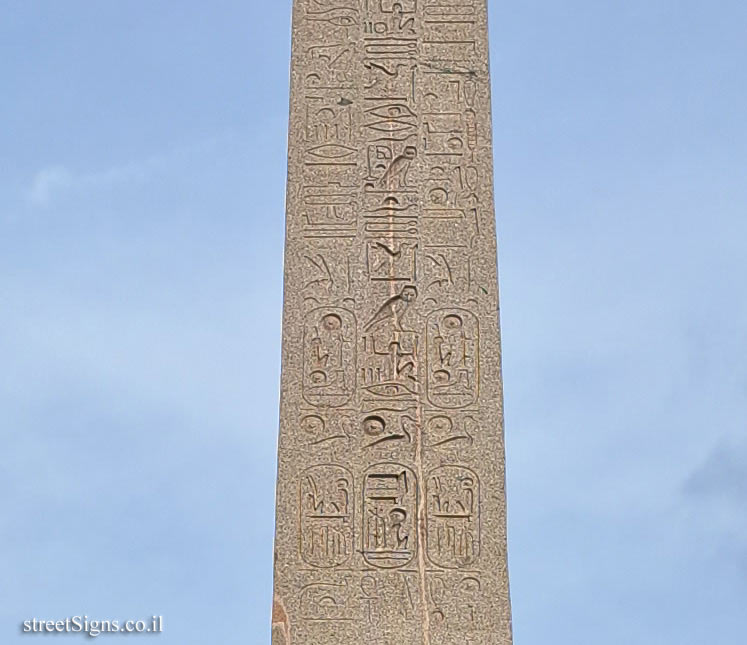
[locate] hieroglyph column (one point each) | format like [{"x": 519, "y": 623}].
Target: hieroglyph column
[{"x": 391, "y": 515}]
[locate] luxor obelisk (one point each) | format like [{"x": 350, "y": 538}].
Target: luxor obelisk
[{"x": 391, "y": 515}]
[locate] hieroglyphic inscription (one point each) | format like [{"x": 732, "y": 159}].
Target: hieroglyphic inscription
[
  {"x": 456, "y": 605},
  {"x": 329, "y": 210},
  {"x": 320, "y": 427},
  {"x": 329, "y": 357},
  {"x": 453, "y": 362},
  {"x": 326, "y": 501},
  {"x": 390, "y": 532},
  {"x": 453, "y": 516},
  {"x": 391, "y": 511},
  {"x": 388, "y": 427},
  {"x": 328, "y": 601},
  {"x": 389, "y": 351}
]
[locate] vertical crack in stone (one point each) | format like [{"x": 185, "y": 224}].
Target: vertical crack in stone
[
  {"x": 421, "y": 523},
  {"x": 422, "y": 527}
]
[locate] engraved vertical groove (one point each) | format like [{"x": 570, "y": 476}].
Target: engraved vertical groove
[{"x": 423, "y": 532}]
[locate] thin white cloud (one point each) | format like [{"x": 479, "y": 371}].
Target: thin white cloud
[
  {"x": 717, "y": 491},
  {"x": 51, "y": 182},
  {"x": 47, "y": 182},
  {"x": 723, "y": 475}
]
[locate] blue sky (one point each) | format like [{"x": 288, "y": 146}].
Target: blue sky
[{"x": 141, "y": 237}]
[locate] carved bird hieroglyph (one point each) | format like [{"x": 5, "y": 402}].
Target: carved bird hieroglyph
[
  {"x": 396, "y": 175},
  {"x": 393, "y": 309},
  {"x": 391, "y": 257}
]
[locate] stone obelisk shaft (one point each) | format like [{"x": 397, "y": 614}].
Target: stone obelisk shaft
[{"x": 391, "y": 517}]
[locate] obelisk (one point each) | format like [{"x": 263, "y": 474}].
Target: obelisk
[{"x": 391, "y": 512}]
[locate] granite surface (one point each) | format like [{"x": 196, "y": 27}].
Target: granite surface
[{"x": 391, "y": 515}]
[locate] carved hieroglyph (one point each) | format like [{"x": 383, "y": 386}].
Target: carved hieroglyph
[{"x": 391, "y": 518}]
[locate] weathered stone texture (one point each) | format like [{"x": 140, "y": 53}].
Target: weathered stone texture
[{"x": 391, "y": 518}]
